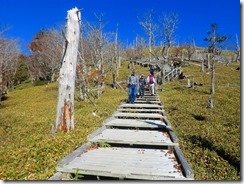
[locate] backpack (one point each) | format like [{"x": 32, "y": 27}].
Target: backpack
[{"x": 151, "y": 79}]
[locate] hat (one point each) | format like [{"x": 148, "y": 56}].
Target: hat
[{"x": 133, "y": 70}]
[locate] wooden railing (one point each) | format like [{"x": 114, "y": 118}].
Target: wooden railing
[{"x": 173, "y": 73}]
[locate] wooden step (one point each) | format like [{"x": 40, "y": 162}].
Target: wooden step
[
  {"x": 145, "y": 106},
  {"x": 157, "y": 111},
  {"x": 148, "y": 102},
  {"x": 146, "y": 99},
  {"x": 134, "y": 137},
  {"x": 126, "y": 163},
  {"x": 111, "y": 122},
  {"x": 138, "y": 115},
  {"x": 137, "y": 142}
]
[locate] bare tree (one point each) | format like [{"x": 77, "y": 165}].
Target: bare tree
[
  {"x": 9, "y": 56},
  {"x": 214, "y": 49},
  {"x": 140, "y": 47},
  {"x": 115, "y": 60},
  {"x": 150, "y": 27},
  {"x": 190, "y": 49},
  {"x": 65, "y": 107},
  {"x": 169, "y": 24},
  {"x": 97, "y": 41},
  {"x": 237, "y": 51}
]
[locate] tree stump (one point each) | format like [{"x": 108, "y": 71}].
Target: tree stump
[
  {"x": 188, "y": 83},
  {"x": 210, "y": 102}
]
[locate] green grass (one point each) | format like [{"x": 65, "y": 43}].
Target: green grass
[
  {"x": 28, "y": 150},
  {"x": 209, "y": 138}
]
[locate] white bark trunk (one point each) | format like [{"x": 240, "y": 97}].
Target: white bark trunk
[
  {"x": 212, "y": 90},
  {"x": 150, "y": 44},
  {"x": 1, "y": 85},
  {"x": 208, "y": 58},
  {"x": 65, "y": 107}
]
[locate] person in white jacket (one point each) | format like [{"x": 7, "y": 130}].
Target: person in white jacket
[{"x": 151, "y": 83}]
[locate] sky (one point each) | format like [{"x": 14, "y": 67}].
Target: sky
[{"x": 26, "y": 17}]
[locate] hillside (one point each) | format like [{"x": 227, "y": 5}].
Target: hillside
[{"x": 209, "y": 138}]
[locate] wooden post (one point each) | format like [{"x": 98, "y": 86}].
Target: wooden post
[
  {"x": 210, "y": 102},
  {"x": 65, "y": 107},
  {"x": 188, "y": 83},
  {"x": 192, "y": 84},
  {"x": 202, "y": 66}
]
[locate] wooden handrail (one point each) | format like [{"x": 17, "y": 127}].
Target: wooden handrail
[{"x": 175, "y": 70}]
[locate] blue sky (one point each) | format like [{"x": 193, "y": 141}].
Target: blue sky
[{"x": 27, "y": 17}]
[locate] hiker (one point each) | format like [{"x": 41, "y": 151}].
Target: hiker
[
  {"x": 152, "y": 70},
  {"x": 133, "y": 84},
  {"x": 151, "y": 83},
  {"x": 142, "y": 83}
]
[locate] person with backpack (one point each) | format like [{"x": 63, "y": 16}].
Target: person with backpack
[
  {"x": 142, "y": 83},
  {"x": 151, "y": 83},
  {"x": 133, "y": 84}
]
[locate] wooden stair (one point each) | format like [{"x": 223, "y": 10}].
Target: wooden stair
[{"x": 137, "y": 142}]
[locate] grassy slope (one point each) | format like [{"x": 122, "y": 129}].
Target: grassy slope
[
  {"x": 209, "y": 138},
  {"x": 212, "y": 146}
]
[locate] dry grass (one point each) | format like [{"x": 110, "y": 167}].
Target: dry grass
[{"x": 209, "y": 138}]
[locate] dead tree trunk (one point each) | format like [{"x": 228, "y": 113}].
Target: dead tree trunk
[
  {"x": 65, "y": 107},
  {"x": 212, "y": 90},
  {"x": 1, "y": 85},
  {"x": 208, "y": 62}
]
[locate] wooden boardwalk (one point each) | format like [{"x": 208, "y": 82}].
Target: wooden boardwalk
[{"x": 137, "y": 142}]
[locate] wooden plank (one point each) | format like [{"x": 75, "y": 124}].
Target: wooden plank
[
  {"x": 152, "y": 175},
  {"x": 100, "y": 162},
  {"x": 60, "y": 176},
  {"x": 96, "y": 132},
  {"x": 135, "y": 123},
  {"x": 152, "y": 106},
  {"x": 151, "y": 101},
  {"x": 148, "y": 99},
  {"x": 118, "y": 154},
  {"x": 56, "y": 176},
  {"x": 186, "y": 168},
  {"x": 159, "y": 111},
  {"x": 147, "y": 102},
  {"x": 167, "y": 122},
  {"x": 134, "y": 137},
  {"x": 172, "y": 135},
  {"x": 74, "y": 154},
  {"x": 138, "y": 115}
]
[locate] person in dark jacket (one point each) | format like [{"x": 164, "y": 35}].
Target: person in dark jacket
[
  {"x": 142, "y": 83},
  {"x": 133, "y": 84}
]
